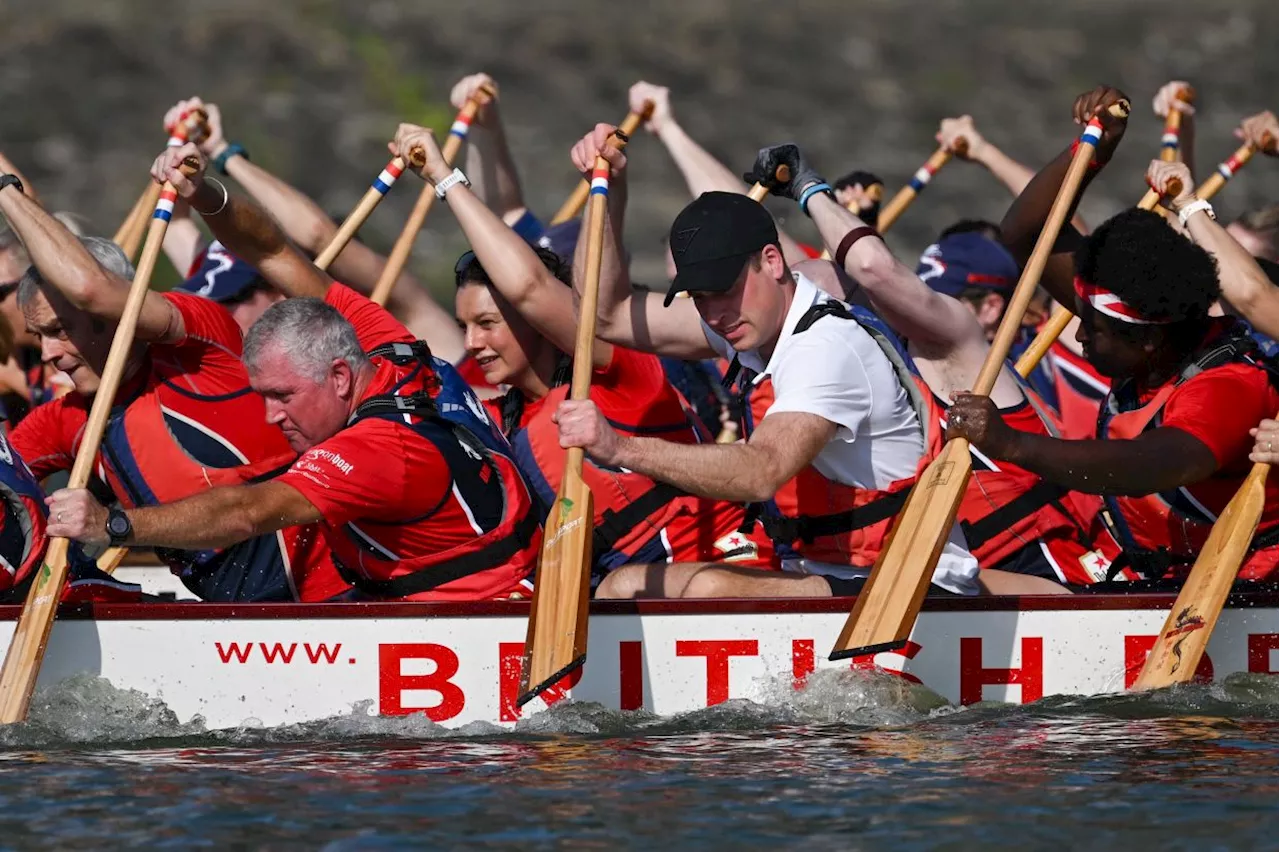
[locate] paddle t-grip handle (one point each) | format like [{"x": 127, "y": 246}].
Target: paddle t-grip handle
[{"x": 782, "y": 174}]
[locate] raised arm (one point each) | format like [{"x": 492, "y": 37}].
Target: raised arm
[
  {"x": 8, "y": 168},
  {"x": 1026, "y": 217},
  {"x": 1169, "y": 98},
  {"x": 243, "y": 227},
  {"x": 627, "y": 317},
  {"x": 65, "y": 264},
  {"x": 978, "y": 149},
  {"x": 492, "y": 172},
  {"x": 702, "y": 171},
  {"x": 514, "y": 267},
  {"x": 1244, "y": 284}
]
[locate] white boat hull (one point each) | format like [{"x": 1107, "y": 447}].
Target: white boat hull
[{"x": 283, "y": 664}]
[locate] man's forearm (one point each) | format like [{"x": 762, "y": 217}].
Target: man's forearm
[
  {"x": 301, "y": 219},
  {"x": 216, "y": 518},
  {"x": 1108, "y": 467},
  {"x": 58, "y": 254},
  {"x": 736, "y": 472}
]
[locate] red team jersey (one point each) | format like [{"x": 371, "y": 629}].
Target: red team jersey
[
  {"x": 186, "y": 421},
  {"x": 390, "y": 486},
  {"x": 632, "y": 391}
]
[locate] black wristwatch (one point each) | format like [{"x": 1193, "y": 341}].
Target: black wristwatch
[
  {"x": 118, "y": 527},
  {"x": 11, "y": 180}
]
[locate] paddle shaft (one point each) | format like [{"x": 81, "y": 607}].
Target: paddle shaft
[
  {"x": 886, "y": 610},
  {"x": 573, "y": 204},
  {"x": 1169, "y": 142},
  {"x": 376, "y": 192},
  {"x": 1225, "y": 171},
  {"x": 427, "y": 198},
  {"x": 190, "y": 125},
  {"x": 891, "y": 211},
  {"x": 556, "y": 640},
  {"x": 31, "y": 637},
  {"x": 1062, "y": 315}
]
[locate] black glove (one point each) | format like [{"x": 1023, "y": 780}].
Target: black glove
[{"x": 800, "y": 173}]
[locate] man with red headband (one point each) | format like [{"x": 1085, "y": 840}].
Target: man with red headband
[{"x": 1173, "y": 437}]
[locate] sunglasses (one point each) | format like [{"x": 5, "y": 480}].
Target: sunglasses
[
  {"x": 8, "y": 289},
  {"x": 460, "y": 268}
]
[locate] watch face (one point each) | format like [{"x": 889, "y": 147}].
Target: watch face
[{"x": 118, "y": 525}]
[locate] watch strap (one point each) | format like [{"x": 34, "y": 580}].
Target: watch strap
[
  {"x": 11, "y": 180},
  {"x": 451, "y": 181},
  {"x": 235, "y": 149},
  {"x": 1195, "y": 207}
]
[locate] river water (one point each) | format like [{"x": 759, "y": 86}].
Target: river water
[{"x": 854, "y": 761}]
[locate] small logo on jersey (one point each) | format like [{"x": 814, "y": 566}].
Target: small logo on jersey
[
  {"x": 736, "y": 547},
  {"x": 1096, "y": 564}
]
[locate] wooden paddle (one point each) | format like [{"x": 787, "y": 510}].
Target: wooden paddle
[
  {"x": 190, "y": 125},
  {"x": 886, "y": 610},
  {"x": 891, "y": 211},
  {"x": 573, "y": 204},
  {"x": 1186, "y": 631},
  {"x": 1173, "y": 126},
  {"x": 556, "y": 642},
  {"x": 109, "y": 560},
  {"x": 427, "y": 198},
  {"x": 1227, "y": 169},
  {"x": 1062, "y": 315},
  {"x": 31, "y": 637},
  {"x": 376, "y": 192}
]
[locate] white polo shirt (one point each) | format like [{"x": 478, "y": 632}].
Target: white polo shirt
[{"x": 836, "y": 370}]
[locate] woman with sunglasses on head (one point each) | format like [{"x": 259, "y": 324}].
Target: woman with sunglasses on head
[{"x": 517, "y": 311}]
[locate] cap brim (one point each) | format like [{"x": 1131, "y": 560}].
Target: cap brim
[{"x": 709, "y": 276}]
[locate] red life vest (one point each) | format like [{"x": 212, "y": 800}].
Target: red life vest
[
  {"x": 1162, "y": 533},
  {"x": 1080, "y": 390},
  {"x": 637, "y": 520},
  {"x": 810, "y": 515},
  {"x": 1006, "y": 509},
  {"x": 433, "y": 402}
]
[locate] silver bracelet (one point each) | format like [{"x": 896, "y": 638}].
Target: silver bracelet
[{"x": 225, "y": 198}]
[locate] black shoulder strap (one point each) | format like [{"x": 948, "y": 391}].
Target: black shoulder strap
[
  {"x": 401, "y": 354},
  {"x": 614, "y": 525},
  {"x": 494, "y": 555},
  {"x": 830, "y": 308}
]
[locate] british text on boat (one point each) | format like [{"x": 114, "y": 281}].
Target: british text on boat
[{"x": 279, "y": 664}]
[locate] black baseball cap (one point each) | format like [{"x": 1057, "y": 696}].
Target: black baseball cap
[{"x": 713, "y": 238}]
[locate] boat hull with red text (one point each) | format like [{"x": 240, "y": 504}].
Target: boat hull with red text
[{"x": 458, "y": 663}]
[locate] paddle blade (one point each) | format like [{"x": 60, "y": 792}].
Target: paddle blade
[
  {"x": 22, "y": 662},
  {"x": 556, "y": 643},
  {"x": 1186, "y": 631},
  {"x": 885, "y": 611}
]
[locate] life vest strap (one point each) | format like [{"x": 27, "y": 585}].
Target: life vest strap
[
  {"x": 613, "y": 525},
  {"x": 809, "y": 528},
  {"x": 1035, "y": 498},
  {"x": 492, "y": 555}
]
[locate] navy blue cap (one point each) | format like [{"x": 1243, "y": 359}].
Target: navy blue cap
[
  {"x": 561, "y": 239},
  {"x": 964, "y": 261},
  {"x": 222, "y": 276}
]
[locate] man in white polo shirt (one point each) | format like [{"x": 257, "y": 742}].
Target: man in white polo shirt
[{"x": 842, "y": 423}]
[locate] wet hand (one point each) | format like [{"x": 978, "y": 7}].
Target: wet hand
[
  {"x": 1161, "y": 176},
  {"x": 1266, "y": 442},
  {"x": 469, "y": 87},
  {"x": 765, "y": 171},
  {"x": 166, "y": 168},
  {"x": 74, "y": 513},
  {"x": 977, "y": 420},
  {"x": 1099, "y": 102},
  {"x": 659, "y": 96},
  {"x": 411, "y": 136},
  {"x": 585, "y": 150},
  {"x": 952, "y": 130},
  {"x": 582, "y": 425}
]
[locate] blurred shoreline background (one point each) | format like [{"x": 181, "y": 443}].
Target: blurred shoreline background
[{"x": 315, "y": 88}]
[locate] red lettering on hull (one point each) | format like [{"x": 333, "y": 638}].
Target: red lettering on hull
[
  {"x": 973, "y": 676},
  {"x": 718, "y": 653},
  {"x": 392, "y": 682}
]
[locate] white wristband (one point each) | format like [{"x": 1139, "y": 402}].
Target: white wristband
[
  {"x": 1194, "y": 207},
  {"x": 452, "y": 180}
]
